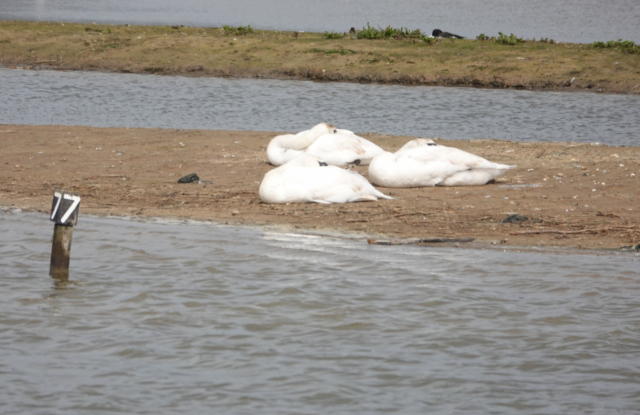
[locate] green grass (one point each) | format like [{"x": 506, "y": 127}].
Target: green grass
[
  {"x": 238, "y": 31},
  {"x": 332, "y": 51},
  {"x": 389, "y": 33},
  {"x": 507, "y": 40},
  {"x": 333, "y": 35},
  {"x": 625, "y": 46}
]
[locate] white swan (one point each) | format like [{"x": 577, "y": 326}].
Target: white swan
[
  {"x": 422, "y": 163},
  {"x": 344, "y": 148},
  {"x": 334, "y": 146},
  {"x": 308, "y": 179},
  {"x": 289, "y": 146}
]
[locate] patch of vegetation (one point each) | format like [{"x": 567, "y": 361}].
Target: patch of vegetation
[
  {"x": 340, "y": 51},
  {"x": 389, "y": 32},
  {"x": 482, "y": 36},
  {"x": 546, "y": 40},
  {"x": 507, "y": 40},
  {"x": 373, "y": 33},
  {"x": 238, "y": 31},
  {"x": 626, "y": 46},
  {"x": 333, "y": 35},
  {"x": 504, "y": 69},
  {"x": 90, "y": 29},
  {"x": 403, "y": 32}
]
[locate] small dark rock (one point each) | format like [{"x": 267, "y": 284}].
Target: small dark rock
[
  {"x": 189, "y": 178},
  {"x": 515, "y": 219}
]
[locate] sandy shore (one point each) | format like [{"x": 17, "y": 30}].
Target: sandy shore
[{"x": 574, "y": 195}]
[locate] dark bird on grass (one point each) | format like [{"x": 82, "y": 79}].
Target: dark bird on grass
[{"x": 440, "y": 33}]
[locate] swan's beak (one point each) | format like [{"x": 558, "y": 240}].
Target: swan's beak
[
  {"x": 335, "y": 131},
  {"x": 322, "y": 163}
]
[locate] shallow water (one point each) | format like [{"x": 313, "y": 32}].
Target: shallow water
[
  {"x": 126, "y": 100},
  {"x": 166, "y": 318},
  {"x": 582, "y": 21}
]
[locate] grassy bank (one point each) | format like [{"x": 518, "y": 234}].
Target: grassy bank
[{"x": 270, "y": 54}]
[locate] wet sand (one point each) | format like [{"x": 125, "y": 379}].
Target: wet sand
[{"x": 574, "y": 195}]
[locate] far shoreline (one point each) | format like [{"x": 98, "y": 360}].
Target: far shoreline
[{"x": 260, "y": 54}]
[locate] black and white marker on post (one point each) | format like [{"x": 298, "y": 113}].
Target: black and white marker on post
[{"x": 64, "y": 212}]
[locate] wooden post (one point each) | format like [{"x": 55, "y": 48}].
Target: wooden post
[
  {"x": 64, "y": 212},
  {"x": 61, "y": 251}
]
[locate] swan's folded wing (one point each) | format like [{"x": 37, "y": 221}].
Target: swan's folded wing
[
  {"x": 416, "y": 167},
  {"x": 343, "y": 131},
  {"x": 341, "y": 149},
  {"x": 333, "y": 143},
  {"x": 331, "y": 184},
  {"x": 417, "y": 155},
  {"x": 454, "y": 156}
]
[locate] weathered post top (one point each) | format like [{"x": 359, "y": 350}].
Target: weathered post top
[{"x": 64, "y": 210}]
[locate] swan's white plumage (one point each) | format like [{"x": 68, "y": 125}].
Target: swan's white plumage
[
  {"x": 286, "y": 147},
  {"x": 341, "y": 149},
  {"x": 418, "y": 142},
  {"x": 279, "y": 151},
  {"x": 304, "y": 180},
  {"x": 337, "y": 147},
  {"x": 420, "y": 163}
]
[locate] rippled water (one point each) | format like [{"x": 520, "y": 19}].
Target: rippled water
[
  {"x": 165, "y": 318},
  {"x": 126, "y": 100},
  {"x": 583, "y": 21}
]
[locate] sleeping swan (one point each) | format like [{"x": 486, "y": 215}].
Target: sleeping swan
[
  {"x": 289, "y": 146},
  {"x": 421, "y": 163},
  {"x": 336, "y": 147},
  {"x": 308, "y": 179}
]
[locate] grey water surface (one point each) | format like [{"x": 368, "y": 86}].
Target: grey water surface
[
  {"x": 165, "y": 317},
  {"x": 582, "y": 21},
  {"x": 128, "y": 100}
]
